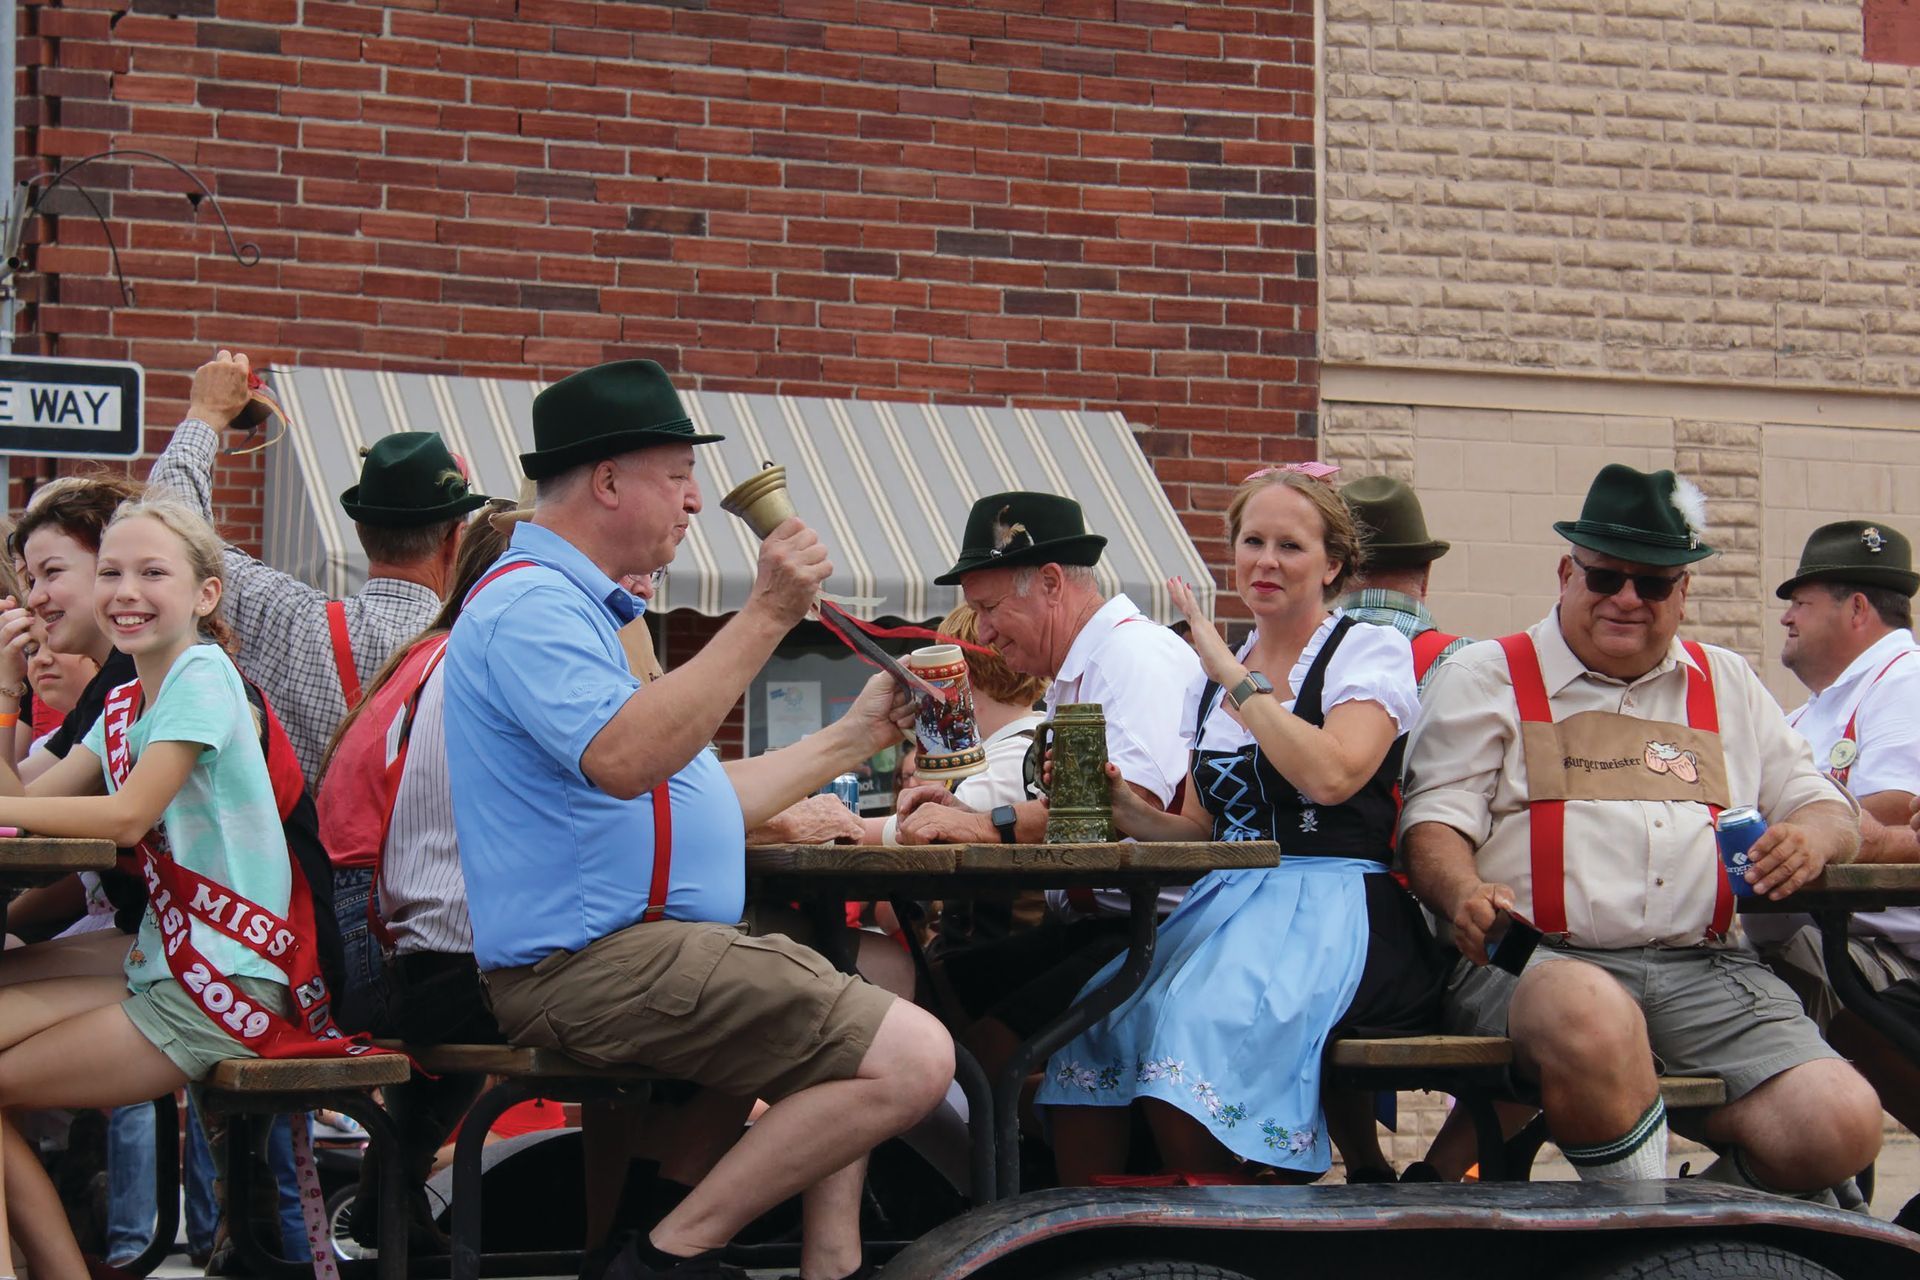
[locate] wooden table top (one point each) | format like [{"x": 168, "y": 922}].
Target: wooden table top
[
  {"x": 1858, "y": 886},
  {"x": 908, "y": 869},
  {"x": 27, "y": 861}
]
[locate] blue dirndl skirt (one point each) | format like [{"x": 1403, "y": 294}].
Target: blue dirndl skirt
[{"x": 1251, "y": 974}]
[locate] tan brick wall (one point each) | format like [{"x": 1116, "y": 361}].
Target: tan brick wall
[{"x": 1696, "y": 189}]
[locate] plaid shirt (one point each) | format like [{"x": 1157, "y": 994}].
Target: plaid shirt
[
  {"x": 1404, "y": 614},
  {"x": 285, "y": 645}
]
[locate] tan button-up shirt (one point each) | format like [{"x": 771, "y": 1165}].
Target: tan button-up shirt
[{"x": 1638, "y": 872}]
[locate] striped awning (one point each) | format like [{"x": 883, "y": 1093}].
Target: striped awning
[{"x": 886, "y": 484}]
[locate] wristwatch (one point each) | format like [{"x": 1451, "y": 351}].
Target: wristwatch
[
  {"x": 1255, "y": 683},
  {"x": 1003, "y": 821}
]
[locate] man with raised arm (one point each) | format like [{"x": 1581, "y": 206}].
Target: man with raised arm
[{"x": 603, "y": 846}]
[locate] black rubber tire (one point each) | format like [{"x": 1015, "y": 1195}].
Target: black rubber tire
[
  {"x": 1702, "y": 1260},
  {"x": 1150, "y": 1269}
]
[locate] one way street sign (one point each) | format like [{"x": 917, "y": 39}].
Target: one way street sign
[{"x": 70, "y": 408}]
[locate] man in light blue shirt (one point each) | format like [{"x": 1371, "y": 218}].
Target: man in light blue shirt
[{"x": 603, "y": 847}]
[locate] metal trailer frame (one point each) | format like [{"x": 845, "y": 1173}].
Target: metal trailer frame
[{"x": 1489, "y": 1231}]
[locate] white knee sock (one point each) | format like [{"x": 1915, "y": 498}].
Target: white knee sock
[{"x": 1639, "y": 1154}]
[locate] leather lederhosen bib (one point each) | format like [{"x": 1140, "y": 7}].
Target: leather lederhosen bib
[{"x": 1597, "y": 755}]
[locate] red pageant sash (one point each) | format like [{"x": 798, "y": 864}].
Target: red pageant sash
[{"x": 179, "y": 894}]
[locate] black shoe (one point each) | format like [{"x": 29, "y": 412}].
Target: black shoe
[
  {"x": 1419, "y": 1171},
  {"x": 1909, "y": 1216},
  {"x": 1355, "y": 1177},
  {"x": 636, "y": 1260},
  {"x": 866, "y": 1271},
  {"x": 424, "y": 1236}
]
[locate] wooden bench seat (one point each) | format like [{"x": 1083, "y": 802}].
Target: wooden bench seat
[
  {"x": 1405, "y": 1058},
  {"x": 513, "y": 1062},
  {"x": 308, "y": 1075}
]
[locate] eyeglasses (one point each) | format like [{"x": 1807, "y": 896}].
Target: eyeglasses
[{"x": 1651, "y": 587}]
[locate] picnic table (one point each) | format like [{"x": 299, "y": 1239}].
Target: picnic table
[
  {"x": 1831, "y": 898},
  {"x": 824, "y": 876},
  {"x": 27, "y": 862}
]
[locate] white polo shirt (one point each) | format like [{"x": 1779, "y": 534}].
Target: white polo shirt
[
  {"x": 1885, "y": 710},
  {"x": 1147, "y": 681}
]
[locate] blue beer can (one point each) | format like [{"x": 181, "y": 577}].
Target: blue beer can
[
  {"x": 1735, "y": 831},
  {"x": 847, "y": 787}
]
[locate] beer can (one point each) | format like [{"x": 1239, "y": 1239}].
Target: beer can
[
  {"x": 1734, "y": 831},
  {"x": 847, "y": 787}
]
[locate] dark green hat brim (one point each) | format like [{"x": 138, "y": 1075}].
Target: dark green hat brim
[
  {"x": 1393, "y": 555},
  {"x": 543, "y": 464},
  {"x": 1905, "y": 581},
  {"x": 1083, "y": 549},
  {"x": 407, "y": 517},
  {"x": 1628, "y": 544}
]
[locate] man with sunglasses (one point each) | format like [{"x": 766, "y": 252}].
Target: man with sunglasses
[{"x": 1571, "y": 775}]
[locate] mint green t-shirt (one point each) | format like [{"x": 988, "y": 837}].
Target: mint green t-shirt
[{"x": 224, "y": 822}]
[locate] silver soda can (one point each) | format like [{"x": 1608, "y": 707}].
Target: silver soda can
[
  {"x": 847, "y": 787},
  {"x": 1734, "y": 831}
]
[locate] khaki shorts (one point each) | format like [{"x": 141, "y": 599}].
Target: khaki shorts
[
  {"x": 1801, "y": 962},
  {"x": 167, "y": 1016},
  {"x": 1711, "y": 1011},
  {"x": 754, "y": 1017}
]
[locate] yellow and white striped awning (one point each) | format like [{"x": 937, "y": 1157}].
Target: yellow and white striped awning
[{"x": 886, "y": 484}]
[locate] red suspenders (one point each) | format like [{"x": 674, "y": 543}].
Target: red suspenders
[
  {"x": 1549, "y": 817},
  {"x": 1851, "y": 732},
  {"x": 1427, "y": 648},
  {"x": 662, "y": 801},
  {"x": 343, "y": 653}
]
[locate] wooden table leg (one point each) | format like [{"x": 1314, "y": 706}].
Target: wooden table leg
[{"x": 1143, "y": 904}]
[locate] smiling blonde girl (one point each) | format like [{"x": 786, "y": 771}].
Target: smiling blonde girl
[{"x": 173, "y": 768}]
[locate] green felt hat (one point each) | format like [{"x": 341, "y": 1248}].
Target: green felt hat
[
  {"x": 1635, "y": 516},
  {"x": 603, "y": 411},
  {"x": 1857, "y": 552},
  {"x": 409, "y": 479},
  {"x": 1006, "y": 530},
  {"x": 1389, "y": 514}
]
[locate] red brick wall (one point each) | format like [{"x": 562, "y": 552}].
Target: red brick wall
[
  {"x": 1091, "y": 203},
  {"x": 1891, "y": 29}
]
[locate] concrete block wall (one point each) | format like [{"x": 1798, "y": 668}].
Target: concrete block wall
[
  {"x": 1687, "y": 189},
  {"x": 1492, "y": 482}
]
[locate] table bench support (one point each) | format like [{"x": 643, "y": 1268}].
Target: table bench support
[
  {"x": 244, "y": 1108},
  {"x": 1143, "y": 904}
]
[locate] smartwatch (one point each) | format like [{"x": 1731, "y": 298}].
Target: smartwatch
[
  {"x": 1254, "y": 684},
  {"x": 1003, "y": 821}
]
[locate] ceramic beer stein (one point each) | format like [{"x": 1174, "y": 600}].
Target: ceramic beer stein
[
  {"x": 1079, "y": 804},
  {"x": 950, "y": 745}
]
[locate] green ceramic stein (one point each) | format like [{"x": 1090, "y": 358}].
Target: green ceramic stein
[{"x": 1079, "y": 803}]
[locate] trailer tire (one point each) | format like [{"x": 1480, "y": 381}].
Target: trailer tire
[
  {"x": 1150, "y": 1269},
  {"x": 1705, "y": 1260}
]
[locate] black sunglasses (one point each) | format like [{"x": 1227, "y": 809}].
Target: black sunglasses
[{"x": 1651, "y": 587}]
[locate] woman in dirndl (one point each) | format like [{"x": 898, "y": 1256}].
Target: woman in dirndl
[{"x": 1257, "y": 971}]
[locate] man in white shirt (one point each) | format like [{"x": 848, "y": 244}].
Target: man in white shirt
[
  {"x": 1026, "y": 566},
  {"x": 1849, "y": 623}
]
